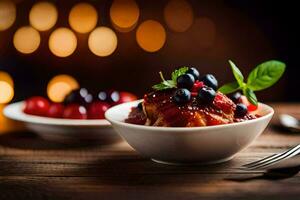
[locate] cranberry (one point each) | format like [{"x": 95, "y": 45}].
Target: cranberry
[
  {"x": 75, "y": 111},
  {"x": 36, "y": 106},
  {"x": 126, "y": 97},
  {"x": 96, "y": 110},
  {"x": 55, "y": 110}
]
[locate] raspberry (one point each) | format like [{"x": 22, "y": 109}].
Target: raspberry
[{"x": 197, "y": 86}]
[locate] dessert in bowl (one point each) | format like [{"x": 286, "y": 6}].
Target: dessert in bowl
[
  {"x": 207, "y": 144},
  {"x": 185, "y": 120}
]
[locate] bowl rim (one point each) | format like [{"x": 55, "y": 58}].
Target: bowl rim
[
  {"x": 180, "y": 129},
  {"x": 15, "y": 112}
]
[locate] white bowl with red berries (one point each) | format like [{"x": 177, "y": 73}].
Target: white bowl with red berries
[{"x": 79, "y": 117}]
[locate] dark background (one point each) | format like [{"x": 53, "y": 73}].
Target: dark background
[{"x": 248, "y": 32}]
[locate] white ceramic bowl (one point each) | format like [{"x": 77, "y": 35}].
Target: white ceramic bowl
[
  {"x": 203, "y": 145},
  {"x": 63, "y": 130}
]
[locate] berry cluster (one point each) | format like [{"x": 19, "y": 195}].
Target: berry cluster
[
  {"x": 191, "y": 85},
  {"x": 78, "y": 104}
]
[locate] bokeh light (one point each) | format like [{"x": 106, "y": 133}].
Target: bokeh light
[
  {"x": 7, "y": 14},
  {"x": 178, "y": 15},
  {"x": 62, "y": 42},
  {"x": 103, "y": 41},
  {"x": 59, "y": 86},
  {"x": 124, "y": 14},
  {"x": 26, "y": 39},
  {"x": 6, "y": 88},
  {"x": 43, "y": 15},
  {"x": 83, "y": 18},
  {"x": 151, "y": 36},
  {"x": 204, "y": 32}
]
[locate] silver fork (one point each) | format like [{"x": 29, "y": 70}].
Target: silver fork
[{"x": 272, "y": 159}]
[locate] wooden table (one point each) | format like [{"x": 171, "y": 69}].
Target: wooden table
[{"x": 31, "y": 168}]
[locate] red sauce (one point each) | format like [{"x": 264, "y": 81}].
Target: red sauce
[{"x": 221, "y": 111}]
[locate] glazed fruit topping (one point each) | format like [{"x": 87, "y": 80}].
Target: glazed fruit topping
[
  {"x": 210, "y": 81},
  {"x": 185, "y": 81},
  {"x": 197, "y": 86},
  {"x": 206, "y": 95},
  {"x": 235, "y": 97},
  {"x": 193, "y": 71},
  {"x": 241, "y": 110},
  {"x": 222, "y": 102},
  {"x": 140, "y": 106},
  {"x": 182, "y": 96}
]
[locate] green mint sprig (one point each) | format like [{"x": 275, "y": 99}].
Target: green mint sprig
[
  {"x": 263, "y": 76},
  {"x": 168, "y": 84}
]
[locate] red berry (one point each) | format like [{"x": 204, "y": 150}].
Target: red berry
[
  {"x": 250, "y": 106},
  {"x": 126, "y": 97},
  {"x": 55, "y": 110},
  {"x": 222, "y": 102},
  {"x": 75, "y": 111},
  {"x": 194, "y": 94},
  {"x": 96, "y": 110},
  {"x": 197, "y": 86},
  {"x": 36, "y": 106}
]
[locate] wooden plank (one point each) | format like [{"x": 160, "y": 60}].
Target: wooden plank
[
  {"x": 145, "y": 187},
  {"x": 31, "y": 168}
]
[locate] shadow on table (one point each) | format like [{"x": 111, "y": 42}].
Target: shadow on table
[
  {"x": 136, "y": 170},
  {"x": 29, "y": 140},
  {"x": 283, "y": 130}
]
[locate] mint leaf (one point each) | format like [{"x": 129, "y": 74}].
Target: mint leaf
[
  {"x": 265, "y": 75},
  {"x": 250, "y": 96},
  {"x": 237, "y": 74},
  {"x": 179, "y": 72},
  {"x": 167, "y": 84},
  {"x": 160, "y": 86},
  {"x": 229, "y": 88}
]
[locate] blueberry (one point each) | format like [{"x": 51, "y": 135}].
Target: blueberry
[
  {"x": 235, "y": 97},
  {"x": 241, "y": 110},
  {"x": 206, "y": 95},
  {"x": 210, "y": 81},
  {"x": 140, "y": 106},
  {"x": 185, "y": 81},
  {"x": 182, "y": 96},
  {"x": 79, "y": 96},
  {"x": 193, "y": 71}
]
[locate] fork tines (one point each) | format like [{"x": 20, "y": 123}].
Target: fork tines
[{"x": 272, "y": 159}]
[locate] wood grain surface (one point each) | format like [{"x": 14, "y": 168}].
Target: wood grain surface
[{"x": 31, "y": 168}]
